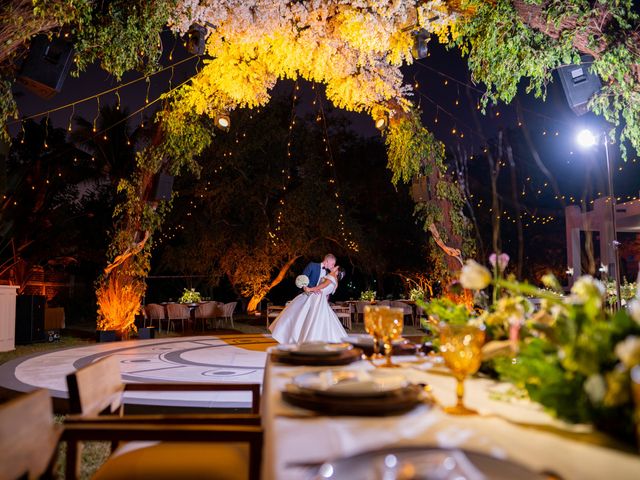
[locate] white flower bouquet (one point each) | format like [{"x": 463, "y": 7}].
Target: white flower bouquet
[{"x": 302, "y": 281}]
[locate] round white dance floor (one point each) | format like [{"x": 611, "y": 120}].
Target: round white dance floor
[{"x": 224, "y": 358}]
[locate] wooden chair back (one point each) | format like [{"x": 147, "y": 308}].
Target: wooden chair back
[
  {"x": 208, "y": 310},
  {"x": 96, "y": 388},
  {"x": 28, "y": 436}
]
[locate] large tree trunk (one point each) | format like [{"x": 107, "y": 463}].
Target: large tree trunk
[{"x": 257, "y": 298}]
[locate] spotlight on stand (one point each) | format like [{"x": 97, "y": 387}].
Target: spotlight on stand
[
  {"x": 586, "y": 138},
  {"x": 382, "y": 121},
  {"x": 420, "y": 47},
  {"x": 223, "y": 122}
]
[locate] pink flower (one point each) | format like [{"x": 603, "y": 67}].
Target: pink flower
[{"x": 502, "y": 261}]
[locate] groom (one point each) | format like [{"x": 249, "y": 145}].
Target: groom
[{"x": 317, "y": 271}]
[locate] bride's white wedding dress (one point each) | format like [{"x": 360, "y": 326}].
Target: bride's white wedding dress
[{"x": 308, "y": 318}]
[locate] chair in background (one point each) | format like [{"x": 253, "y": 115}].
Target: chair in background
[
  {"x": 407, "y": 310},
  {"x": 28, "y": 436},
  {"x": 272, "y": 313},
  {"x": 384, "y": 303},
  {"x": 207, "y": 311},
  {"x": 153, "y": 311},
  {"x": 359, "y": 305},
  {"x": 227, "y": 312},
  {"x": 98, "y": 388},
  {"x": 177, "y": 311},
  {"x": 344, "y": 314}
]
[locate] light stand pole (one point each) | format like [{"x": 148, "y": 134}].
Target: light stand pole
[{"x": 614, "y": 242}]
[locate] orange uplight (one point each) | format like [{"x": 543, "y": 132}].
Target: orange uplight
[{"x": 118, "y": 303}]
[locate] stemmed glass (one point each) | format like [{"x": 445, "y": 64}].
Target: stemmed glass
[
  {"x": 372, "y": 327},
  {"x": 391, "y": 323},
  {"x": 461, "y": 346}
]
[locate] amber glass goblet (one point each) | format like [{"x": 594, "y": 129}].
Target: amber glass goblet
[
  {"x": 391, "y": 324},
  {"x": 461, "y": 346},
  {"x": 372, "y": 327}
]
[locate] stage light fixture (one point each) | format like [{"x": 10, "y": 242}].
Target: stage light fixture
[
  {"x": 382, "y": 122},
  {"x": 420, "y": 47},
  {"x": 223, "y": 122}
]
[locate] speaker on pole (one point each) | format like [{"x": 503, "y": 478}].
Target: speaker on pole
[
  {"x": 47, "y": 65},
  {"x": 196, "y": 39},
  {"x": 579, "y": 84}
]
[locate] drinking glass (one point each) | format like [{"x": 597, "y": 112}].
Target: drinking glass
[
  {"x": 372, "y": 327},
  {"x": 461, "y": 346},
  {"x": 391, "y": 323}
]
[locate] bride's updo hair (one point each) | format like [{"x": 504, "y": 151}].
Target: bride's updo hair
[{"x": 340, "y": 274}]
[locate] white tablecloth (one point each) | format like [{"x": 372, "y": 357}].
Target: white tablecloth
[{"x": 518, "y": 430}]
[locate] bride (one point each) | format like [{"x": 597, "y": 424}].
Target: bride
[{"x": 309, "y": 317}]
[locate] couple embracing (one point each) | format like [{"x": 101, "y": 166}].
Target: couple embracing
[{"x": 309, "y": 317}]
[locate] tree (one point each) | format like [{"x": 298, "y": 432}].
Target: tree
[{"x": 256, "y": 210}]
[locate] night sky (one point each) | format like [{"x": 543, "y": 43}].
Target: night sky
[{"x": 447, "y": 97}]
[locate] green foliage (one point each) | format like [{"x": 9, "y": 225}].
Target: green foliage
[
  {"x": 447, "y": 311},
  {"x": 411, "y": 148}
]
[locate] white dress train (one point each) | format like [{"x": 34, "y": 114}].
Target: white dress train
[{"x": 309, "y": 318}]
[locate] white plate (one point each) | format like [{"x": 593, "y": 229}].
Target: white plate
[
  {"x": 351, "y": 382},
  {"x": 315, "y": 349}
]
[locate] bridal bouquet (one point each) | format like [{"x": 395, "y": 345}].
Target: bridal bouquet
[{"x": 302, "y": 281}]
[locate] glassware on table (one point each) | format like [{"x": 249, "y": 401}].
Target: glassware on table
[
  {"x": 372, "y": 327},
  {"x": 461, "y": 346},
  {"x": 391, "y": 323}
]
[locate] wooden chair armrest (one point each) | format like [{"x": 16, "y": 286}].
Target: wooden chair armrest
[
  {"x": 254, "y": 388},
  {"x": 173, "y": 419}
]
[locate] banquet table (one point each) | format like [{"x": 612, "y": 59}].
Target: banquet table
[{"x": 507, "y": 427}]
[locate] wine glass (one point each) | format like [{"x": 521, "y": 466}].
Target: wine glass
[
  {"x": 391, "y": 323},
  {"x": 372, "y": 327},
  {"x": 461, "y": 346}
]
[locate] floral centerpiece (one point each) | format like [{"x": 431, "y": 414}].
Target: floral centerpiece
[
  {"x": 573, "y": 356},
  {"x": 368, "y": 295},
  {"x": 628, "y": 291},
  {"x": 189, "y": 295},
  {"x": 417, "y": 293}
]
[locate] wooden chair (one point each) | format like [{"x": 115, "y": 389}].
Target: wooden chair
[
  {"x": 344, "y": 315},
  {"x": 227, "y": 312},
  {"x": 98, "y": 388},
  {"x": 28, "y": 436},
  {"x": 153, "y": 311},
  {"x": 177, "y": 311},
  {"x": 207, "y": 311},
  {"x": 272, "y": 313}
]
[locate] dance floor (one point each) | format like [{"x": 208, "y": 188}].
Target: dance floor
[{"x": 224, "y": 358}]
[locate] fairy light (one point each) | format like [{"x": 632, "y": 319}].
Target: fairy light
[
  {"x": 146, "y": 98},
  {"x": 95, "y": 119},
  {"x": 118, "y": 99},
  {"x": 73, "y": 110}
]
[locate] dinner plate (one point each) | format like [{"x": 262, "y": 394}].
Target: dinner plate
[
  {"x": 351, "y": 383},
  {"x": 421, "y": 463},
  {"x": 314, "y": 348}
]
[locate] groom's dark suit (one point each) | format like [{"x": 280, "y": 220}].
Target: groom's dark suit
[{"x": 313, "y": 271}]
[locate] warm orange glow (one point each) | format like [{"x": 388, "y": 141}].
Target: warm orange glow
[{"x": 118, "y": 303}]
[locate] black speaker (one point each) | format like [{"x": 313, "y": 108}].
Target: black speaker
[
  {"x": 579, "y": 84},
  {"x": 30, "y": 319},
  {"x": 47, "y": 65},
  {"x": 420, "y": 47},
  {"x": 196, "y": 39},
  {"x": 163, "y": 187}
]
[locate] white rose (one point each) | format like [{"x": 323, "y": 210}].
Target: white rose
[
  {"x": 302, "y": 281},
  {"x": 587, "y": 288},
  {"x": 475, "y": 276},
  {"x": 596, "y": 388},
  {"x": 634, "y": 310},
  {"x": 628, "y": 351}
]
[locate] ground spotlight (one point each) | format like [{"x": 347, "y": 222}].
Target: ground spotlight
[
  {"x": 586, "y": 138},
  {"x": 223, "y": 121}
]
